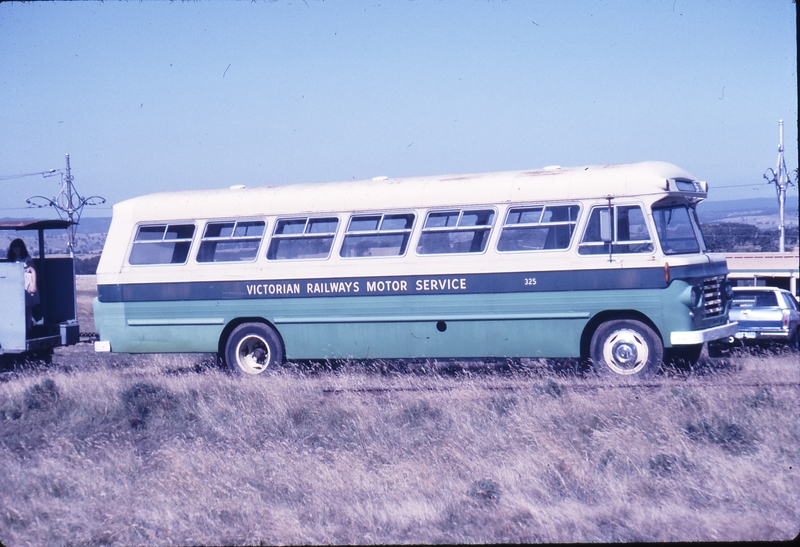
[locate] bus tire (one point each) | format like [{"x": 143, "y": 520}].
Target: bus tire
[
  {"x": 626, "y": 347},
  {"x": 253, "y": 348}
]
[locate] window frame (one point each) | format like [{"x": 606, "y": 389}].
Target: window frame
[
  {"x": 166, "y": 224},
  {"x": 232, "y": 238},
  {"x": 615, "y": 242},
  {"x": 409, "y": 232},
  {"x": 304, "y": 235},
  {"x": 487, "y": 228},
  {"x": 544, "y": 207}
]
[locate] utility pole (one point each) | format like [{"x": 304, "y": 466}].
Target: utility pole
[
  {"x": 64, "y": 199},
  {"x": 780, "y": 177},
  {"x": 68, "y": 203}
]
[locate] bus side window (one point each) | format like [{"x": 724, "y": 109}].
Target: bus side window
[
  {"x": 455, "y": 232},
  {"x": 377, "y": 235},
  {"x": 302, "y": 238},
  {"x": 538, "y": 228},
  {"x": 162, "y": 244},
  {"x": 630, "y": 233},
  {"x": 231, "y": 241}
]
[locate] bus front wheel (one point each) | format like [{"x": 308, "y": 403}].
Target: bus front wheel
[
  {"x": 253, "y": 348},
  {"x": 626, "y": 347}
]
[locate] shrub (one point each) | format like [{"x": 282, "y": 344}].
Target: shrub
[
  {"x": 485, "y": 490},
  {"x": 42, "y": 396},
  {"x": 761, "y": 398},
  {"x": 143, "y": 400},
  {"x": 729, "y": 435},
  {"x": 86, "y": 265}
]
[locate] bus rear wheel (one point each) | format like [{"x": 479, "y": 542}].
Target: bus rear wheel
[
  {"x": 626, "y": 347},
  {"x": 253, "y": 348}
]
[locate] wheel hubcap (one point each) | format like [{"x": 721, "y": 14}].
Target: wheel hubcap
[
  {"x": 252, "y": 355},
  {"x": 626, "y": 352}
]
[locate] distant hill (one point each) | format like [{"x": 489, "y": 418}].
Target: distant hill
[
  {"x": 761, "y": 212},
  {"x": 87, "y": 225},
  {"x": 94, "y": 225}
]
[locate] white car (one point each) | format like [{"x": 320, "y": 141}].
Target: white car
[{"x": 765, "y": 314}]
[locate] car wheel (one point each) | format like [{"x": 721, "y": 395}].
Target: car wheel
[
  {"x": 253, "y": 348},
  {"x": 626, "y": 347}
]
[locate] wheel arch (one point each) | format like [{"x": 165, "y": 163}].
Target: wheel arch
[
  {"x": 226, "y": 332},
  {"x": 611, "y": 315}
]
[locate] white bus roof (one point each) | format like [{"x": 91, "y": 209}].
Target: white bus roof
[{"x": 549, "y": 184}]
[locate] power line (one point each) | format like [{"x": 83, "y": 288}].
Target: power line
[
  {"x": 742, "y": 186},
  {"x": 50, "y": 173}
]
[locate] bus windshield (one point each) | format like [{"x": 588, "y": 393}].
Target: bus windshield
[{"x": 675, "y": 230}]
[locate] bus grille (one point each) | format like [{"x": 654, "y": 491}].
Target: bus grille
[{"x": 712, "y": 296}]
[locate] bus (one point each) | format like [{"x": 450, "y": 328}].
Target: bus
[
  {"x": 32, "y": 327},
  {"x": 605, "y": 263}
]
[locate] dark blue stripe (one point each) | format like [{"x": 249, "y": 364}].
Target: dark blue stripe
[{"x": 492, "y": 283}]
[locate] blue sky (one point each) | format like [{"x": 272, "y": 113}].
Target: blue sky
[{"x": 151, "y": 96}]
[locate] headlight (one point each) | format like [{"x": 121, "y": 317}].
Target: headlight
[
  {"x": 728, "y": 290},
  {"x": 692, "y": 297}
]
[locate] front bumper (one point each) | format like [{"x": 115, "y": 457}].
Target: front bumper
[{"x": 694, "y": 337}]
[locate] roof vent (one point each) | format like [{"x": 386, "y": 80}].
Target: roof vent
[
  {"x": 376, "y": 179},
  {"x": 552, "y": 168},
  {"x": 237, "y": 187}
]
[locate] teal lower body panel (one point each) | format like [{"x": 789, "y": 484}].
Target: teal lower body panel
[
  {"x": 157, "y": 327},
  {"x": 427, "y": 326},
  {"x": 433, "y": 339}
]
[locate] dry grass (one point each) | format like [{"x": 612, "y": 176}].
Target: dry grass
[
  {"x": 86, "y": 291},
  {"x": 166, "y": 451},
  {"x": 169, "y": 450}
]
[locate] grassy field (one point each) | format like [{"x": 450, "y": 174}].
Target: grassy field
[{"x": 170, "y": 450}]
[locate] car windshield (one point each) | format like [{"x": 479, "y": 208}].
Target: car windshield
[{"x": 676, "y": 230}]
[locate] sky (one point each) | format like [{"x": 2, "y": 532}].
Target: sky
[{"x": 155, "y": 96}]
